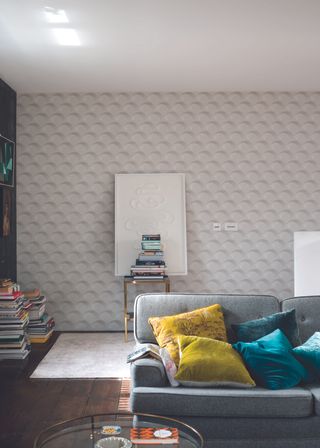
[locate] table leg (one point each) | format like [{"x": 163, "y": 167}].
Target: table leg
[
  {"x": 125, "y": 289},
  {"x": 125, "y": 329}
]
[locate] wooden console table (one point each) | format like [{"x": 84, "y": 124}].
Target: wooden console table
[{"x": 128, "y": 280}]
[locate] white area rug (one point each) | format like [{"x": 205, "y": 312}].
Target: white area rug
[{"x": 87, "y": 355}]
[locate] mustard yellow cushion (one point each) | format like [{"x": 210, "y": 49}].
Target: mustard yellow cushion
[
  {"x": 207, "y": 362},
  {"x": 208, "y": 322}
]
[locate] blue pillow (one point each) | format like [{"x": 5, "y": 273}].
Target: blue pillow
[
  {"x": 254, "y": 329},
  {"x": 309, "y": 355},
  {"x": 271, "y": 362}
]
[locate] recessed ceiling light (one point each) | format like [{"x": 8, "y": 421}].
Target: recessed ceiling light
[
  {"x": 67, "y": 36},
  {"x": 54, "y": 15}
]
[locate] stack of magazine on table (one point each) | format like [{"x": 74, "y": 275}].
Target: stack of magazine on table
[
  {"x": 14, "y": 341},
  {"x": 150, "y": 263},
  {"x": 146, "y": 436},
  {"x": 41, "y": 325}
]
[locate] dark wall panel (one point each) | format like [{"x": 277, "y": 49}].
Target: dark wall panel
[{"x": 8, "y": 244}]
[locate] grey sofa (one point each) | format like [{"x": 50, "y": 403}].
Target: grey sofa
[{"x": 229, "y": 418}]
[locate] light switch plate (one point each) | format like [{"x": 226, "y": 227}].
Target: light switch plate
[{"x": 231, "y": 226}]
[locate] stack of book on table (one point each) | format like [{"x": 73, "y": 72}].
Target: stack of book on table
[
  {"x": 14, "y": 342},
  {"x": 41, "y": 325},
  {"x": 154, "y": 436},
  {"x": 150, "y": 263}
]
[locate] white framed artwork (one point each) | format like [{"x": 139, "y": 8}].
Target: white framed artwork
[
  {"x": 306, "y": 263},
  {"x": 150, "y": 204}
]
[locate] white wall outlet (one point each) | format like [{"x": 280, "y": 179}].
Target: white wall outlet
[
  {"x": 231, "y": 226},
  {"x": 216, "y": 227}
]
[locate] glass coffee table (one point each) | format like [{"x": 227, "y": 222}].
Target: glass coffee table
[{"x": 90, "y": 432}]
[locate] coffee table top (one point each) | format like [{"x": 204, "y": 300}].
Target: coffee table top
[{"x": 85, "y": 432}]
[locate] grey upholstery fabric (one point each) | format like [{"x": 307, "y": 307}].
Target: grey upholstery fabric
[
  {"x": 148, "y": 372},
  {"x": 307, "y": 314},
  {"x": 222, "y": 402},
  {"x": 236, "y": 308},
  {"x": 263, "y": 443},
  {"x": 315, "y": 390},
  {"x": 260, "y": 428},
  {"x": 257, "y": 433}
]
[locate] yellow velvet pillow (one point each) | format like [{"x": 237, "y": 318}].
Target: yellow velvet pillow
[
  {"x": 208, "y": 322},
  {"x": 207, "y": 362}
]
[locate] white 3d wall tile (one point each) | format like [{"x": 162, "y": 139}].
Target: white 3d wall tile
[{"x": 251, "y": 159}]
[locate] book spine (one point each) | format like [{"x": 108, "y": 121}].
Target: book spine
[
  {"x": 150, "y": 262},
  {"x": 151, "y": 237},
  {"x": 148, "y": 277},
  {"x": 151, "y": 269}
]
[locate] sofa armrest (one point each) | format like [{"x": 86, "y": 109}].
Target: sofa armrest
[{"x": 148, "y": 372}]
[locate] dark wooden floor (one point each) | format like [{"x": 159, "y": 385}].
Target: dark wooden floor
[{"x": 28, "y": 406}]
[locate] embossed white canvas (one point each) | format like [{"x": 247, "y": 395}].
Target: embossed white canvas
[{"x": 150, "y": 204}]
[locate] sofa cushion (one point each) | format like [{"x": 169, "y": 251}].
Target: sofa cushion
[
  {"x": 235, "y": 307},
  {"x": 170, "y": 367},
  {"x": 309, "y": 355},
  {"x": 271, "y": 362},
  {"x": 315, "y": 391},
  {"x": 207, "y": 362},
  {"x": 254, "y": 329},
  {"x": 207, "y": 322},
  {"x": 255, "y": 402}
]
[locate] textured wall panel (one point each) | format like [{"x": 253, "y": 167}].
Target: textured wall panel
[{"x": 249, "y": 158}]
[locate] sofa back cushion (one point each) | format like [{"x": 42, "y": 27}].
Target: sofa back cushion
[
  {"x": 254, "y": 329},
  {"x": 307, "y": 314},
  {"x": 236, "y": 308}
]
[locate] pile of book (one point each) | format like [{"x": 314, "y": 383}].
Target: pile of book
[
  {"x": 41, "y": 325},
  {"x": 154, "y": 436},
  {"x": 150, "y": 263},
  {"x": 14, "y": 319}
]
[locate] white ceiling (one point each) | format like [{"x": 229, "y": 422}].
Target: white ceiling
[{"x": 163, "y": 45}]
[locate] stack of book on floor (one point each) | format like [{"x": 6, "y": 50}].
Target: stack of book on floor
[
  {"x": 41, "y": 325},
  {"x": 150, "y": 263},
  {"x": 14, "y": 342}
]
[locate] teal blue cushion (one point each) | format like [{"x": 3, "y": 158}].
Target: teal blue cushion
[
  {"x": 270, "y": 361},
  {"x": 254, "y": 329},
  {"x": 309, "y": 355}
]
